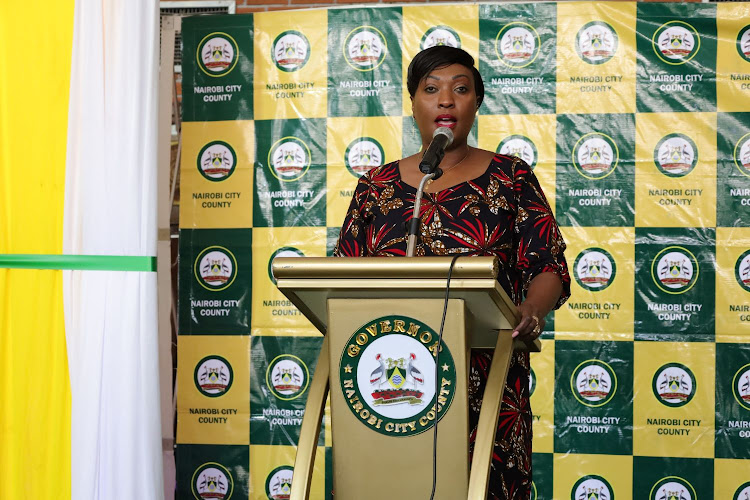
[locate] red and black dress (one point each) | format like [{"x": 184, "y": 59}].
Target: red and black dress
[{"x": 503, "y": 212}]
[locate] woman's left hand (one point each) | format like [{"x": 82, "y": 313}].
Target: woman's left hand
[{"x": 531, "y": 324}]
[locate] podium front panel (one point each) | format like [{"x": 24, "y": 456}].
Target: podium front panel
[{"x": 382, "y": 388}]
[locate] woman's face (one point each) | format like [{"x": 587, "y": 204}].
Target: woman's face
[{"x": 445, "y": 98}]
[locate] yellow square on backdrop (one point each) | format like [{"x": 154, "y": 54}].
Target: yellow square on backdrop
[
  {"x": 610, "y": 475},
  {"x": 601, "y": 261},
  {"x": 530, "y": 137},
  {"x": 596, "y": 57},
  {"x": 542, "y": 397},
  {"x": 271, "y": 469},
  {"x": 216, "y": 168},
  {"x": 733, "y": 56},
  {"x": 673, "y": 399},
  {"x": 271, "y": 309},
  {"x": 355, "y": 145},
  {"x": 732, "y": 284},
  {"x": 675, "y": 169},
  {"x": 213, "y": 403},
  {"x": 427, "y": 25},
  {"x": 291, "y": 64},
  {"x": 731, "y": 479}
]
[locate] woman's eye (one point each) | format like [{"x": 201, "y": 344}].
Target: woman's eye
[
  {"x": 429, "y": 89},
  {"x": 462, "y": 89}
]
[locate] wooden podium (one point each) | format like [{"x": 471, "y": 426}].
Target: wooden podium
[{"x": 381, "y": 318}]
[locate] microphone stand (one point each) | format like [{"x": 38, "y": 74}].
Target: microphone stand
[{"x": 411, "y": 241}]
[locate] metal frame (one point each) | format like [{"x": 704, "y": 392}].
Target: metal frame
[{"x": 166, "y": 306}]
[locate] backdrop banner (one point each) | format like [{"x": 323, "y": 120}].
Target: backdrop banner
[{"x": 635, "y": 118}]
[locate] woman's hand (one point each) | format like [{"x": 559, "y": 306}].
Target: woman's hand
[
  {"x": 541, "y": 297},
  {"x": 531, "y": 324}
]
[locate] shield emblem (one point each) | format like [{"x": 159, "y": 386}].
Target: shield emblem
[
  {"x": 594, "y": 269},
  {"x": 674, "y": 269},
  {"x": 593, "y": 383},
  {"x": 395, "y": 378}
]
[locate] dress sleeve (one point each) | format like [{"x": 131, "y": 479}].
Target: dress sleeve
[
  {"x": 540, "y": 246},
  {"x": 351, "y": 242}
]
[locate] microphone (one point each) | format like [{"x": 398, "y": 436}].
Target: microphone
[{"x": 441, "y": 139}]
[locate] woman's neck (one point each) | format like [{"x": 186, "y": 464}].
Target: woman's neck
[{"x": 453, "y": 155}]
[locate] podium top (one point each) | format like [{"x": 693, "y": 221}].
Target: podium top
[
  {"x": 385, "y": 267},
  {"x": 308, "y": 282}
]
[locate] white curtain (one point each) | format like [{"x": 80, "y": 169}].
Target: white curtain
[{"x": 110, "y": 209}]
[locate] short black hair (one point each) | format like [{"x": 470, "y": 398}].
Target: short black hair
[{"x": 438, "y": 57}]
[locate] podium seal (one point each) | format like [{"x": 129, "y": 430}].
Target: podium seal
[{"x": 387, "y": 374}]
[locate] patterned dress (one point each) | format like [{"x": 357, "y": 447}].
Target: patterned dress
[{"x": 502, "y": 212}]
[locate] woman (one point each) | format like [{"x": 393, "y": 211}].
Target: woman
[{"x": 483, "y": 204}]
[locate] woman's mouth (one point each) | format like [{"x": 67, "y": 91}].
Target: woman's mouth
[{"x": 446, "y": 121}]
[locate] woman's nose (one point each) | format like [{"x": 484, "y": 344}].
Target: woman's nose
[{"x": 445, "y": 99}]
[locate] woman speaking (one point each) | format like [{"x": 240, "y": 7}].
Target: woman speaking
[{"x": 483, "y": 204}]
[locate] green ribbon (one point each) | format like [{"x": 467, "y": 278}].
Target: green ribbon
[{"x": 78, "y": 262}]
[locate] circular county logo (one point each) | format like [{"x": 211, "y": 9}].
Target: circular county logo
[
  {"x": 594, "y": 269},
  {"x": 743, "y": 43},
  {"x": 290, "y": 51},
  {"x": 289, "y": 158},
  {"x": 675, "y": 155},
  {"x": 216, "y": 161},
  {"x": 440, "y": 35},
  {"x": 362, "y": 155},
  {"x": 282, "y": 252},
  {"x": 742, "y": 155},
  {"x": 672, "y": 488},
  {"x": 743, "y": 492},
  {"x": 279, "y": 483},
  {"x": 742, "y": 270},
  {"x": 674, "y": 385},
  {"x": 595, "y": 155},
  {"x": 365, "y": 48},
  {"x": 532, "y": 381},
  {"x": 676, "y": 42},
  {"x": 741, "y": 386},
  {"x": 674, "y": 270},
  {"x": 594, "y": 383},
  {"x": 387, "y": 376},
  {"x": 596, "y": 42},
  {"x": 213, "y": 376},
  {"x": 592, "y": 487},
  {"x": 212, "y": 481},
  {"x": 517, "y": 44},
  {"x": 217, "y": 54},
  {"x": 519, "y": 146},
  {"x": 215, "y": 268},
  {"x": 287, "y": 377}
]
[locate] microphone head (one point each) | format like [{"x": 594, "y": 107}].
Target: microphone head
[{"x": 446, "y": 132}]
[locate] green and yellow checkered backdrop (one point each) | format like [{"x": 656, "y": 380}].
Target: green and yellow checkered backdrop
[{"x": 636, "y": 120}]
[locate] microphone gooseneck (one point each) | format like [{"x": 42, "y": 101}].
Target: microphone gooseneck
[{"x": 411, "y": 240}]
